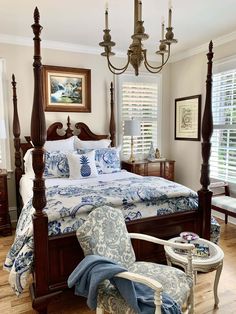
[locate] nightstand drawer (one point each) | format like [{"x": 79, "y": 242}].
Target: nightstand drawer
[
  {"x": 5, "y": 222},
  {"x": 139, "y": 169},
  {"x": 3, "y": 219},
  {"x": 3, "y": 195},
  {"x": 154, "y": 169},
  {"x": 160, "y": 168},
  {"x": 2, "y": 184},
  {"x": 3, "y": 207}
]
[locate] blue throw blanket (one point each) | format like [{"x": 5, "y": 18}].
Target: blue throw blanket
[{"x": 94, "y": 269}]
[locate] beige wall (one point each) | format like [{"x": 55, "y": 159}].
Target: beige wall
[
  {"x": 188, "y": 78},
  {"x": 19, "y": 61}
]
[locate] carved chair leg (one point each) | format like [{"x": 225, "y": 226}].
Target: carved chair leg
[
  {"x": 191, "y": 302},
  {"x": 99, "y": 310}
]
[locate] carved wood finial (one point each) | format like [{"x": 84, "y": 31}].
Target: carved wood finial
[
  {"x": 36, "y": 15},
  {"x": 210, "y": 46},
  {"x": 69, "y": 131}
]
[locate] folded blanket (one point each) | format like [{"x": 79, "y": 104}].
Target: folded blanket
[{"x": 94, "y": 269}]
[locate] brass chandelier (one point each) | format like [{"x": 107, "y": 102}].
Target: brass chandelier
[{"x": 136, "y": 53}]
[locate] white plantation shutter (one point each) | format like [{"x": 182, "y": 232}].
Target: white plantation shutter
[
  {"x": 223, "y": 152},
  {"x": 138, "y": 99}
]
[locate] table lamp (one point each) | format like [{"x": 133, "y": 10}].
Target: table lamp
[{"x": 132, "y": 128}]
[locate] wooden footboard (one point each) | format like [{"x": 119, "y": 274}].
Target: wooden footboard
[{"x": 65, "y": 252}]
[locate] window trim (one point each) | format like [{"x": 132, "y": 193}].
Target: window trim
[{"x": 6, "y": 164}]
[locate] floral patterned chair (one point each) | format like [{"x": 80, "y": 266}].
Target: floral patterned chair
[{"x": 104, "y": 233}]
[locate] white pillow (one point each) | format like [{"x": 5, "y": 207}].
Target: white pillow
[
  {"x": 28, "y": 163},
  {"x": 66, "y": 145},
  {"x": 79, "y": 144},
  {"x": 82, "y": 165}
]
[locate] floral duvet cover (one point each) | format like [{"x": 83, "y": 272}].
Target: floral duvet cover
[{"x": 68, "y": 206}]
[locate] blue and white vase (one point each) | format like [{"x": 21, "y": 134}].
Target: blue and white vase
[{"x": 151, "y": 154}]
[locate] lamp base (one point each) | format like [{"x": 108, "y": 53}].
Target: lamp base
[{"x": 131, "y": 159}]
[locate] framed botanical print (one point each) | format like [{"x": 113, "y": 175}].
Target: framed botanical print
[
  {"x": 66, "y": 89},
  {"x": 188, "y": 118}
]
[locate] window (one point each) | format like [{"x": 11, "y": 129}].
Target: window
[
  {"x": 223, "y": 151},
  {"x": 139, "y": 98},
  {"x": 4, "y": 140}
]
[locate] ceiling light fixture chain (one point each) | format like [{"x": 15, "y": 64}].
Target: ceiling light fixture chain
[{"x": 136, "y": 53}]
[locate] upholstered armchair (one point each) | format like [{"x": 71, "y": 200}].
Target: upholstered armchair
[{"x": 104, "y": 233}]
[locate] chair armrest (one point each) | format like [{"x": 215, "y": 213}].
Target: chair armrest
[
  {"x": 145, "y": 237},
  {"x": 152, "y": 283},
  {"x": 184, "y": 246}
]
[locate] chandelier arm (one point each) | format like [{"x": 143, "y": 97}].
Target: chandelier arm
[
  {"x": 159, "y": 67},
  {"x": 113, "y": 71},
  {"x": 151, "y": 71},
  {"x": 118, "y": 69}
]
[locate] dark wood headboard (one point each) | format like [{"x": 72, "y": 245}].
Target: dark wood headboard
[{"x": 54, "y": 132}]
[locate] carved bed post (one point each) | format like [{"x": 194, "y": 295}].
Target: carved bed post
[
  {"x": 112, "y": 118},
  {"x": 16, "y": 133},
  {"x": 40, "y": 219},
  {"x": 207, "y": 129}
]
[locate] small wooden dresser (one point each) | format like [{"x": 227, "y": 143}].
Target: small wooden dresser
[
  {"x": 160, "y": 168},
  {"x": 5, "y": 222}
]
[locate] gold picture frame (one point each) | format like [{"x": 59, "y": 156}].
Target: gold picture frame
[
  {"x": 66, "y": 89},
  {"x": 188, "y": 118}
]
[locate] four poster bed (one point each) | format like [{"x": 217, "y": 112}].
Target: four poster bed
[{"x": 56, "y": 256}]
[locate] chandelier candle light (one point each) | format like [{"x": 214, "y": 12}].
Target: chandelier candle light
[
  {"x": 132, "y": 128},
  {"x": 136, "y": 53}
]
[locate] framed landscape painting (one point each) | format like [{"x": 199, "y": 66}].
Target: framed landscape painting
[
  {"x": 66, "y": 89},
  {"x": 188, "y": 118}
]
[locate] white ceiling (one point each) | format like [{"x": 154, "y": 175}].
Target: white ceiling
[{"x": 81, "y": 22}]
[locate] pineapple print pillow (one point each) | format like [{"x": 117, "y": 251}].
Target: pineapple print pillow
[{"x": 82, "y": 166}]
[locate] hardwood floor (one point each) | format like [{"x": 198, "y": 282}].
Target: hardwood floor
[{"x": 70, "y": 304}]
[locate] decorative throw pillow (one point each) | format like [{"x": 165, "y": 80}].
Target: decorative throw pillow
[
  {"x": 28, "y": 163},
  {"x": 56, "y": 165},
  {"x": 107, "y": 160},
  {"x": 82, "y": 165},
  {"x": 66, "y": 145},
  {"x": 79, "y": 144},
  {"x": 104, "y": 233}
]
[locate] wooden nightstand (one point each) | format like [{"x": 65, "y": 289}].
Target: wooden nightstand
[
  {"x": 160, "y": 168},
  {"x": 5, "y": 222}
]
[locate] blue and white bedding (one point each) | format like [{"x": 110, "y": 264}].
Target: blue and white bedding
[{"x": 68, "y": 205}]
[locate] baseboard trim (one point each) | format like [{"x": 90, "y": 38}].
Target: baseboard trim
[
  {"x": 216, "y": 214},
  {"x": 13, "y": 215}
]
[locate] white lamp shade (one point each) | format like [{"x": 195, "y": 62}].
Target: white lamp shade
[
  {"x": 3, "y": 134},
  {"x": 132, "y": 128}
]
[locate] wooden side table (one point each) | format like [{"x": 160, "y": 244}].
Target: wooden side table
[
  {"x": 160, "y": 168},
  {"x": 5, "y": 222},
  {"x": 203, "y": 264}
]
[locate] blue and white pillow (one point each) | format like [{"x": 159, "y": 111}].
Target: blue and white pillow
[
  {"x": 107, "y": 160},
  {"x": 82, "y": 166},
  {"x": 56, "y": 165}
]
